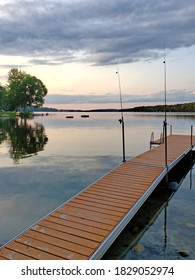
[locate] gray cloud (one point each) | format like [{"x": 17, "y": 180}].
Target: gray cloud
[
  {"x": 96, "y": 32},
  {"x": 172, "y": 96},
  {"x": 10, "y": 66}
]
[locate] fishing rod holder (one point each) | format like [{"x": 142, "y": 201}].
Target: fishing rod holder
[
  {"x": 165, "y": 142},
  {"x": 123, "y": 136}
]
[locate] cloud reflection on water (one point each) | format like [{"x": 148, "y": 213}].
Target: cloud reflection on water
[{"x": 29, "y": 193}]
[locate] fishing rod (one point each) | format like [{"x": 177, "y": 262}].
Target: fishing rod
[
  {"x": 165, "y": 110},
  {"x": 121, "y": 120}
]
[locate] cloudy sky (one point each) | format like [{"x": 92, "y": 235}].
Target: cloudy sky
[{"x": 73, "y": 47}]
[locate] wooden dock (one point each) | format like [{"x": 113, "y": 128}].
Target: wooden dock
[{"x": 87, "y": 225}]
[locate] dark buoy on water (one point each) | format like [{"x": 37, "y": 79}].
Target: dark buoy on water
[{"x": 173, "y": 186}]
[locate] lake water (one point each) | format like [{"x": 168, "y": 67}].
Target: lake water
[{"x": 47, "y": 160}]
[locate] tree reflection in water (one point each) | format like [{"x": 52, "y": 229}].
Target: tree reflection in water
[{"x": 24, "y": 138}]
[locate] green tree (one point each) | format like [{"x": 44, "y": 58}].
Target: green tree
[
  {"x": 33, "y": 92},
  {"x": 14, "y": 88},
  {"x": 24, "y": 90},
  {"x": 2, "y": 97}
]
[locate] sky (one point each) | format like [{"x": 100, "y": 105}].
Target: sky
[{"x": 74, "y": 47}]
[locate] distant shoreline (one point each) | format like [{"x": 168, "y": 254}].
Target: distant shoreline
[{"x": 183, "y": 107}]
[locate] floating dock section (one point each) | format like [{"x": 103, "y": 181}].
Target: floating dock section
[{"x": 86, "y": 226}]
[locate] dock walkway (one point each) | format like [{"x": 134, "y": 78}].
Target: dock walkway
[{"x": 87, "y": 225}]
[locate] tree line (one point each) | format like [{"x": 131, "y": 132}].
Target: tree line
[
  {"x": 184, "y": 107},
  {"x": 21, "y": 91}
]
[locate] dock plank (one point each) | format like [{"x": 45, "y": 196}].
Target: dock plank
[
  {"x": 58, "y": 242},
  {"x": 98, "y": 209},
  {"x": 98, "y": 204},
  {"x": 67, "y": 237},
  {"x": 44, "y": 247},
  {"x": 73, "y": 224},
  {"x": 104, "y": 203},
  {"x": 33, "y": 253},
  {"x": 12, "y": 254},
  {"x": 82, "y": 221},
  {"x": 70, "y": 230}
]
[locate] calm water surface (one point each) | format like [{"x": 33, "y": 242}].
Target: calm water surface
[{"x": 49, "y": 159}]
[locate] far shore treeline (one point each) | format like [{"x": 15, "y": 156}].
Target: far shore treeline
[
  {"x": 21, "y": 92},
  {"x": 184, "y": 107}
]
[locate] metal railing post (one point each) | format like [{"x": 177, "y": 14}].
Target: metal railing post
[
  {"x": 171, "y": 129},
  {"x": 165, "y": 141},
  {"x": 123, "y": 139},
  {"x": 192, "y": 136}
]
